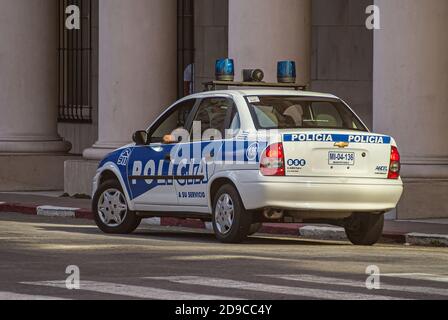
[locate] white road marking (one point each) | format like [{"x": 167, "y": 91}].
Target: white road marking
[
  {"x": 268, "y": 288},
  {"x": 132, "y": 291},
  {"x": 359, "y": 284},
  {"x": 418, "y": 276},
  {"x": 5, "y": 296}
]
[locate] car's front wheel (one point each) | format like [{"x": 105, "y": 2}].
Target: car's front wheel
[
  {"x": 365, "y": 229},
  {"x": 111, "y": 211},
  {"x": 231, "y": 222}
]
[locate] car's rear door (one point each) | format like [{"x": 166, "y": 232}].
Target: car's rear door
[{"x": 208, "y": 129}]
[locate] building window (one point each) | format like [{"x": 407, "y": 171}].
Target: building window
[
  {"x": 75, "y": 65},
  {"x": 185, "y": 47}
]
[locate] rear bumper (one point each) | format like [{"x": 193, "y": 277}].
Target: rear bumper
[{"x": 318, "y": 194}]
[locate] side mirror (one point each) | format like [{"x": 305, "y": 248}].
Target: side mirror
[{"x": 140, "y": 138}]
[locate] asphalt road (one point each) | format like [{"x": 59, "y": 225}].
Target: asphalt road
[{"x": 158, "y": 263}]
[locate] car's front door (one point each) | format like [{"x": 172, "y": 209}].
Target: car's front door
[{"x": 150, "y": 167}]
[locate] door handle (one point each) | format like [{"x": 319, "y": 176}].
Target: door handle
[{"x": 168, "y": 157}]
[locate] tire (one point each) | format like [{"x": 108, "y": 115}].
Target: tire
[
  {"x": 365, "y": 229},
  {"x": 228, "y": 204},
  {"x": 254, "y": 228},
  {"x": 111, "y": 210}
]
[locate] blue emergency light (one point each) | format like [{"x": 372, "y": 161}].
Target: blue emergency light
[
  {"x": 286, "y": 72},
  {"x": 225, "y": 70}
]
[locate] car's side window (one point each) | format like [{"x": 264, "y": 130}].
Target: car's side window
[
  {"x": 175, "y": 119},
  {"x": 212, "y": 115}
]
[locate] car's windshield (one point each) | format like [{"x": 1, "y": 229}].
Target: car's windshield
[{"x": 283, "y": 112}]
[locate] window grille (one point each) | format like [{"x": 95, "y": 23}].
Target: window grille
[
  {"x": 75, "y": 65},
  {"x": 185, "y": 47}
]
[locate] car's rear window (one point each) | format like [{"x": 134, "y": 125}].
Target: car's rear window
[{"x": 282, "y": 112}]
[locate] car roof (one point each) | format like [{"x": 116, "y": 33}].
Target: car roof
[{"x": 268, "y": 92}]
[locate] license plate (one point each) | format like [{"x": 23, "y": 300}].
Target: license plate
[{"x": 341, "y": 158}]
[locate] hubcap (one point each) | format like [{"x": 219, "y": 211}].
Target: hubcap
[
  {"x": 224, "y": 214},
  {"x": 112, "y": 208}
]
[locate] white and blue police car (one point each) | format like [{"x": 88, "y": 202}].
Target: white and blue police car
[{"x": 246, "y": 156}]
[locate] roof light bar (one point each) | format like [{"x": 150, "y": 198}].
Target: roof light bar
[
  {"x": 225, "y": 70},
  {"x": 286, "y": 72},
  {"x": 225, "y": 75}
]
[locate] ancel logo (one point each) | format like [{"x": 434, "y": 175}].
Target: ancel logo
[{"x": 381, "y": 170}]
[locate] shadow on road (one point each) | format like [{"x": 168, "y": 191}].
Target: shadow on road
[{"x": 157, "y": 233}]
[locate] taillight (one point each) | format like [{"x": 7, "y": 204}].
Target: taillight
[
  {"x": 395, "y": 165},
  {"x": 273, "y": 161}
]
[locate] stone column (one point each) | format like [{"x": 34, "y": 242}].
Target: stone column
[
  {"x": 137, "y": 68},
  {"x": 263, "y": 32},
  {"x": 29, "y": 77},
  {"x": 411, "y": 98}
]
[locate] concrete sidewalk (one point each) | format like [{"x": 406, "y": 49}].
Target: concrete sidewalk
[{"x": 52, "y": 204}]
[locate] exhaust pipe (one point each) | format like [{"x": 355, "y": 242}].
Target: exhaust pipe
[{"x": 273, "y": 214}]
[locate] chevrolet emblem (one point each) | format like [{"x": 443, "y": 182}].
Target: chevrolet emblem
[{"x": 341, "y": 144}]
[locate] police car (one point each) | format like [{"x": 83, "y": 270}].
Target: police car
[{"x": 243, "y": 157}]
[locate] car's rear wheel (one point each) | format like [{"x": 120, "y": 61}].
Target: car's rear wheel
[
  {"x": 231, "y": 222},
  {"x": 111, "y": 210},
  {"x": 365, "y": 229}
]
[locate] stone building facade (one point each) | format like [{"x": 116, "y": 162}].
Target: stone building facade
[{"x": 60, "y": 115}]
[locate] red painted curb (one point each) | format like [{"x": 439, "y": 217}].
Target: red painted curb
[
  {"x": 18, "y": 208},
  {"x": 281, "y": 230},
  {"x": 184, "y": 223},
  {"x": 84, "y": 214},
  {"x": 395, "y": 237}
]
